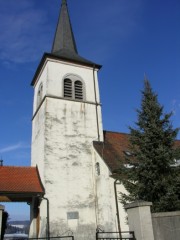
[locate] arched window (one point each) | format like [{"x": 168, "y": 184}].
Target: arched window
[
  {"x": 78, "y": 90},
  {"x": 74, "y": 88},
  {"x": 67, "y": 88},
  {"x": 97, "y": 166},
  {"x": 39, "y": 94}
]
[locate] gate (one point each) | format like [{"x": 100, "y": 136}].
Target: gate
[{"x": 115, "y": 236}]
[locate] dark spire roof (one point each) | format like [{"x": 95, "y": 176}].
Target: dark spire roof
[
  {"x": 64, "y": 45},
  {"x": 64, "y": 37}
]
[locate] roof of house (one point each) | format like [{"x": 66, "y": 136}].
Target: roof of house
[
  {"x": 112, "y": 149},
  {"x": 115, "y": 147},
  {"x": 16, "y": 181}
]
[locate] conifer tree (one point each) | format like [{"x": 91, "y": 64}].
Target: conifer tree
[{"x": 150, "y": 176}]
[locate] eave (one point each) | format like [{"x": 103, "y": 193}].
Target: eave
[
  {"x": 82, "y": 62},
  {"x": 19, "y": 197}
]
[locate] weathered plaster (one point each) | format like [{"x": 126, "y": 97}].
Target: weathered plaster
[
  {"x": 62, "y": 147},
  {"x": 106, "y": 198}
]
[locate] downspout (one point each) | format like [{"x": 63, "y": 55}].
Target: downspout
[
  {"x": 97, "y": 118},
  {"x": 98, "y": 133},
  {"x": 117, "y": 208}
]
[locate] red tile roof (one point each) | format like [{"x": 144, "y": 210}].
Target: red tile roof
[
  {"x": 113, "y": 149},
  {"x": 20, "y": 180}
]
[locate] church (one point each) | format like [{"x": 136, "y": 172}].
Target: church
[
  {"x": 70, "y": 186},
  {"x": 68, "y": 142}
]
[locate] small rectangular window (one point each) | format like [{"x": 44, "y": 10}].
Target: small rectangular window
[{"x": 72, "y": 215}]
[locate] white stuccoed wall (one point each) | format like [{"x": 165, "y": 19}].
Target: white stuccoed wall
[
  {"x": 107, "y": 219},
  {"x": 122, "y": 212},
  {"x": 62, "y": 147}
]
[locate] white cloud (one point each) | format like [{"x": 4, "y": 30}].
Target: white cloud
[
  {"x": 23, "y": 34},
  {"x": 25, "y": 31},
  {"x": 175, "y": 106},
  {"x": 14, "y": 147}
]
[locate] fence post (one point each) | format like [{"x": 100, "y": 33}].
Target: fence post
[
  {"x": 1, "y": 215},
  {"x": 96, "y": 234},
  {"x": 140, "y": 221},
  {"x": 133, "y": 235}
]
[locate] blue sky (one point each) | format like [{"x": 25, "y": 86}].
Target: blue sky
[{"x": 128, "y": 37}]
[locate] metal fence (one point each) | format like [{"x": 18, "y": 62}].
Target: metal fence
[
  {"x": 99, "y": 236},
  {"x": 54, "y": 238},
  {"x": 115, "y": 236},
  {"x": 22, "y": 237}
]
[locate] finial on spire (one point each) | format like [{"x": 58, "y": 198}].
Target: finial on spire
[{"x": 64, "y": 2}]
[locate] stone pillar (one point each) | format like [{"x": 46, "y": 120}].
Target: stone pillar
[
  {"x": 139, "y": 218},
  {"x": 1, "y": 214}
]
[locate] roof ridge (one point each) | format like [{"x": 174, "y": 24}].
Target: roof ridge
[
  {"x": 28, "y": 167},
  {"x": 105, "y": 131}
]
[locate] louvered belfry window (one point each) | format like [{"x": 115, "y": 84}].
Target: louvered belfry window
[
  {"x": 67, "y": 88},
  {"x": 73, "y": 88},
  {"x": 78, "y": 90}
]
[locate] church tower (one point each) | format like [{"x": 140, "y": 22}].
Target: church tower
[{"x": 66, "y": 121}]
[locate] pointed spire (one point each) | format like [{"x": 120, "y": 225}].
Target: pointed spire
[
  {"x": 64, "y": 2},
  {"x": 64, "y": 45},
  {"x": 64, "y": 37}
]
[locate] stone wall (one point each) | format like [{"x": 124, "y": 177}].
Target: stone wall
[
  {"x": 152, "y": 226},
  {"x": 166, "y": 225},
  {"x": 139, "y": 218}
]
